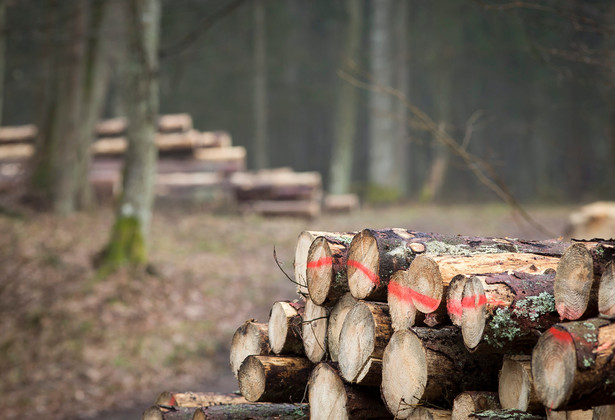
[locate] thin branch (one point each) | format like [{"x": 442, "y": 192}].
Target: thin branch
[{"x": 275, "y": 258}]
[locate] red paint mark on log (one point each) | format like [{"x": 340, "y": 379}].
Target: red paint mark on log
[
  {"x": 453, "y": 306},
  {"x": 470, "y": 302},
  {"x": 319, "y": 263},
  {"x": 370, "y": 275},
  {"x": 495, "y": 302},
  {"x": 561, "y": 336},
  {"x": 400, "y": 292},
  {"x": 407, "y": 294}
]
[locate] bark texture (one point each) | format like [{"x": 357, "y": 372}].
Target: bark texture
[
  {"x": 285, "y": 327},
  {"x": 469, "y": 402},
  {"x": 249, "y": 339}
]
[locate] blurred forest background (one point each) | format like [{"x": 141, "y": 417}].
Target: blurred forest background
[{"x": 431, "y": 111}]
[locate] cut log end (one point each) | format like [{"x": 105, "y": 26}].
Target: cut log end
[
  {"x": 319, "y": 273},
  {"x": 356, "y": 341},
  {"x": 285, "y": 328},
  {"x": 249, "y": 339},
  {"x": 401, "y": 306},
  {"x": 425, "y": 282},
  {"x": 314, "y": 331},
  {"x": 573, "y": 282},
  {"x": 363, "y": 265},
  {"x": 404, "y": 373},
  {"x": 606, "y": 292},
  {"x": 252, "y": 379},
  {"x": 515, "y": 385},
  {"x": 469, "y": 402},
  {"x": 473, "y": 316},
  {"x": 327, "y": 395},
  {"x": 454, "y": 294},
  {"x": 336, "y": 321},
  {"x": 553, "y": 367}
]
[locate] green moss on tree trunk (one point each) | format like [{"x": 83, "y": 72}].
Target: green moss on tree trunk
[{"x": 127, "y": 245}]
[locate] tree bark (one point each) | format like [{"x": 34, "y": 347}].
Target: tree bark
[
  {"x": 431, "y": 365},
  {"x": 347, "y": 105},
  {"x": 516, "y": 386},
  {"x": 336, "y": 321},
  {"x": 236, "y": 411},
  {"x": 505, "y": 415},
  {"x": 197, "y": 399},
  {"x": 573, "y": 367},
  {"x": 249, "y": 339},
  {"x": 469, "y": 402},
  {"x": 260, "y": 87},
  {"x": 274, "y": 378},
  {"x": 129, "y": 236},
  {"x": 364, "y": 335},
  {"x": 573, "y": 415},
  {"x": 314, "y": 331},
  {"x": 507, "y": 312},
  {"x": 285, "y": 328},
  {"x": 332, "y": 398},
  {"x": 424, "y": 413},
  {"x": 326, "y": 269}
]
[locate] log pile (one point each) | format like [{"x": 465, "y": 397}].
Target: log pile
[{"x": 396, "y": 323}]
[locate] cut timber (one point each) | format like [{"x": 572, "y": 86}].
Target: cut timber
[
  {"x": 276, "y": 185},
  {"x": 239, "y": 411},
  {"x": 113, "y": 127},
  {"x": 364, "y": 335},
  {"x": 250, "y": 338},
  {"x": 574, "y": 415},
  {"x": 332, "y": 398},
  {"x": 341, "y": 203},
  {"x": 507, "y": 312},
  {"x": 606, "y": 292},
  {"x": 424, "y": 413},
  {"x": 370, "y": 373},
  {"x": 573, "y": 365},
  {"x": 505, "y": 415},
  {"x": 221, "y": 154},
  {"x": 166, "y": 143},
  {"x": 425, "y": 283},
  {"x": 174, "y": 123},
  {"x": 304, "y": 241},
  {"x": 18, "y": 134},
  {"x": 454, "y": 294},
  {"x": 16, "y": 151},
  {"x": 431, "y": 365},
  {"x": 469, "y": 402},
  {"x": 307, "y": 209},
  {"x": 516, "y": 389},
  {"x": 604, "y": 412},
  {"x": 274, "y": 378},
  {"x": 213, "y": 139},
  {"x": 197, "y": 399},
  {"x": 573, "y": 283},
  {"x": 314, "y": 331},
  {"x": 336, "y": 321},
  {"x": 326, "y": 269},
  {"x": 285, "y": 327},
  {"x": 374, "y": 255}
]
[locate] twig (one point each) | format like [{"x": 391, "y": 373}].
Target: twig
[{"x": 275, "y": 258}]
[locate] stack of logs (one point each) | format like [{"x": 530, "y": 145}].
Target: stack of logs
[{"x": 404, "y": 324}]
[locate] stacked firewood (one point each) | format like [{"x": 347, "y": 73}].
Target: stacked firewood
[{"x": 398, "y": 323}]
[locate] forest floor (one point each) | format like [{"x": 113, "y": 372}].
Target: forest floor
[{"x": 73, "y": 344}]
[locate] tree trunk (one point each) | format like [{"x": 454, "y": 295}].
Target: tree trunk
[
  {"x": 573, "y": 365},
  {"x": 314, "y": 331},
  {"x": 505, "y": 415},
  {"x": 364, "y": 335},
  {"x": 336, "y": 321},
  {"x": 424, "y": 413},
  {"x": 347, "y": 105},
  {"x": 507, "y": 312},
  {"x": 431, "y": 365},
  {"x": 516, "y": 386},
  {"x": 274, "y": 378},
  {"x": 332, "y": 398},
  {"x": 384, "y": 175},
  {"x": 2, "y": 53},
  {"x": 236, "y": 411},
  {"x": 250, "y": 339},
  {"x": 285, "y": 328},
  {"x": 469, "y": 402},
  {"x": 326, "y": 269},
  {"x": 197, "y": 399},
  {"x": 129, "y": 236},
  {"x": 402, "y": 79},
  {"x": 260, "y": 88}
]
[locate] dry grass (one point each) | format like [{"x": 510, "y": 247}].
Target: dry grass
[{"x": 72, "y": 343}]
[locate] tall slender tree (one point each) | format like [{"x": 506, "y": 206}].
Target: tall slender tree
[
  {"x": 129, "y": 237},
  {"x": 260, "y": 87}
]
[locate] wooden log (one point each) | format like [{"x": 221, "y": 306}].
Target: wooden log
[
  {"x": 364, "y": 335},
  {"x": 431, "y": 365},
  {"x": 326, "y": 268},
  {"x": 18, "y": 134},
  {"x": 112, "y": 127},
  {"x": 174, "y": 123},
  {"x": 606, "y": 292},
  {"x": 16, "y": 152},
  {"x": 454, "y": 294},
  {"x": 213, "y": 139},
  {"x": 197, "y": 399},
  {"x": 424, "y": 413},
  {"x": 304, "y": 241},
  {"x": 276, "y": 185},
  {"x": 314, "y": 331},
  {"x": 176, "y": 143},
  {"x": 516, "y": 387},
  {"x": 374, "y": 255},
  {"x": 331, "y": 398},
  {"x": 249, "y": 339},
  {"x": 234, "y": 154},
  {"x": 603, "y": 412},
  {"x": 285, "y": 327},
  {"x": 306, "y": 209},
  {"x": 502, "y": 414},
  {"x": 572, "y": 415},
  {"x": 274, "y": 378},
  {"x": 341, "y": 203},
  {"x": 573, "y": 365},
  {"x": 469, "y": 402},
  {"x": 239, "y": 411},
  {"x": 336, "y": 321},
  {"x": 507, "y": 312}
]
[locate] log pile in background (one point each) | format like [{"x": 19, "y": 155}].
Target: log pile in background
[{"x": 401, "y": 324}]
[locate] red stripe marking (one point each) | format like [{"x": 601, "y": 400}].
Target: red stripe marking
[
  {"x": 400, "y": 292},
  {"x": 320, "y": 262},
  {"x": 173, "y": 402},
  {"x": 561, "y": 336},
  {"x": 469, "y": 302},
  {"x": 427, "y": 301},
  {"x": 496, "y": 302},
  {"x": 454, "y": 307},
  {"x": 407, "y": 294},
  {"x": 370, "y": 275}
]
